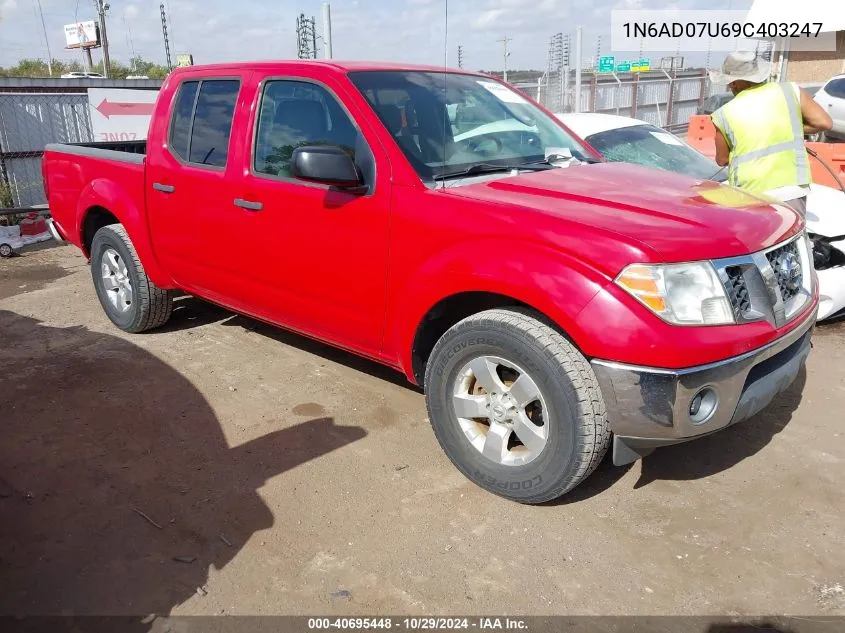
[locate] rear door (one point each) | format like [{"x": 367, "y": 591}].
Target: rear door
[
  {"x": 317, "y": 257},
  {"x": 189, "y": 204}
]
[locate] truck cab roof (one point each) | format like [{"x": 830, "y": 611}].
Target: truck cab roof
[{"x": 331, "y": 65}]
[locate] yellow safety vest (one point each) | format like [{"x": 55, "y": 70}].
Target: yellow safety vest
[{"x": 765, "y": 131}]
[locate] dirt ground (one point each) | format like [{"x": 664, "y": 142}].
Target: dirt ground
[{"x": 221, "y": 466}]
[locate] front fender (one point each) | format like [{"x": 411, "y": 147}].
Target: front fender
[
  {"x": 551, "y": 282},
  {"x": 121, "y": 203}
]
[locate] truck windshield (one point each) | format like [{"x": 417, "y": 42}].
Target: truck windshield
[{"x": 446, "y": 123}]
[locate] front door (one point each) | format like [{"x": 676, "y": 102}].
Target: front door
[{"x": 318, "y": 256}]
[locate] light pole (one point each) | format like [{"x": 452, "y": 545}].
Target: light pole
[{"x": 507, "y": 54}]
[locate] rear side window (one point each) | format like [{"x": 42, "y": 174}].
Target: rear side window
[
  {"x": 213, "y": 122},
  {"x": 836, "y": 88},
  {"x": 180, "y": 127},
  {"x": 202, "y": 121}
]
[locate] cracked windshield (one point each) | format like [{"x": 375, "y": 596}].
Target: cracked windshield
[{"x": 448, "y": 123}]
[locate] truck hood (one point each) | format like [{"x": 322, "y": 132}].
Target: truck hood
[{"x": 675, "y": 216}]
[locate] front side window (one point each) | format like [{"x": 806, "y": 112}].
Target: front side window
[
  {"x": 653, "y": 147},
  {"x": 296, "y": 114},
  {"x": 445, "y": 123}
]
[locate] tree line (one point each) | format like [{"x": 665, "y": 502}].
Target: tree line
[{"x": 39, "y": 68}]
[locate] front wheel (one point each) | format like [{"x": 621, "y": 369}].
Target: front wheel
[
  {"x": 515, "y": 406},
  {"x": 129, "y": 298},
  {"x": 6, "y": 250}
]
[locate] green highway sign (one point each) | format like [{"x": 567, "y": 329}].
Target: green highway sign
[
  {"x": 635, "y": 67},
  {"x": 623, "y": 67},
  {"x": 645, "y": 64},
  {"x": 606, "y": 64}
]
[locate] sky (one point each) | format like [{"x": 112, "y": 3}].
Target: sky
[{"x": 412, "y": 31}]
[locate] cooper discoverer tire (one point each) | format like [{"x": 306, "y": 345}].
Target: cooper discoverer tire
[
  {"x": 539, "y": 426},
  {"x": 130, "y": 300}
]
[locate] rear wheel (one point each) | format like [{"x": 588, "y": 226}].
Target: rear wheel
[
  {"x": 515, "y": 406},
  {"x": 5, "y": 250},
  {"x": 129, "y": 298}
]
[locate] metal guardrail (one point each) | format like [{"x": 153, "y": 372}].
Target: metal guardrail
[
  {"x": 41, "y": 209},
  {"x": 52, "y": 85}
]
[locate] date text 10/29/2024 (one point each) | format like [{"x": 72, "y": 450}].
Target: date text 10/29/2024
[{"x": 418, "y": 624}]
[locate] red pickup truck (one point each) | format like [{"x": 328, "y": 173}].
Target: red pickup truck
[{"x": 443, "y": 224}]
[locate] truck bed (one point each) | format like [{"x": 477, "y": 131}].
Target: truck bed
[{"x": 81, "y": 175}]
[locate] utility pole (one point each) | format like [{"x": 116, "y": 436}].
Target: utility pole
[
  {"x": 130, "y": 43},
  {"x": 327, "y": 30},
  {"x": 306, "y": 37},
  {"x": 460, "y": 56},
  {"x": 579, "y": 37},
  {"x": 567, "y": 50},
  {"x": 313, "y": 38},
  {"x": 598, "y": 50},
  {"x": 164, "y": 33},
  {"x": 507, "y": 54},
  {"x": 102, "y": 7}
]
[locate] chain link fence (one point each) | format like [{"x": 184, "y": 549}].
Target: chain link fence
[
  {"x": 664, "y": 100},
  {"x": 28, "y": 121}
]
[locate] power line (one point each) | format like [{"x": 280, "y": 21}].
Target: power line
[{"x": 46, "y": 39}]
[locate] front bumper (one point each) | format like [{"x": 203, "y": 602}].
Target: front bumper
[{"x": 650, "y": 407}]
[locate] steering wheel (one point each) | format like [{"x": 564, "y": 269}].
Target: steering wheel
[{"x": 486, "y": 145}]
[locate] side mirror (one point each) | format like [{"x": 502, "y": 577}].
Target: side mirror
[{"x": 327, "y": 165}]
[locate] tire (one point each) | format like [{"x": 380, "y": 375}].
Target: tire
[
  {"x": 147, "y": 306},
  {"x": 6, "y": 250},
  {"x": 571, "y": 413}
]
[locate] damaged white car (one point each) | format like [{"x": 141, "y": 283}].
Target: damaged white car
[{"x": 622, "y": 139}]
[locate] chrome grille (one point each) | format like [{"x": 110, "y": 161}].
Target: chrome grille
[
  {"x": 772, "y": 285},
  {"x": 737, "y": 291},
  {"x": 786, "y": 265}
]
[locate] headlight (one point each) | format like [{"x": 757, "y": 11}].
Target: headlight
[
  {"x": 682, "y": 294},
  {"x": 809, "y": 264}
]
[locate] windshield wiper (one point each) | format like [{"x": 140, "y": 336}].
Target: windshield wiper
[
  {"x": 483, "y": 168},
  {"x": 589, "y": 160}
]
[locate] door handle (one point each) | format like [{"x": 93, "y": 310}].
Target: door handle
[
  {"x": 248, "y": 205},
  {"x": 163, "y": 188}
]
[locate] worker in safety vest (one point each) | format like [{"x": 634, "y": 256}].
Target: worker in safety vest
[{"x": 761, "y": 131}]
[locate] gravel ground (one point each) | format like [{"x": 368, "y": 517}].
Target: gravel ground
[{"x": 221, "y": 466}]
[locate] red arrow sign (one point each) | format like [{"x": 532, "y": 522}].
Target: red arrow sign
[{"x": 116, "y": 108}]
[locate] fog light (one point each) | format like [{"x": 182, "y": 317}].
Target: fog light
[{"x": 703, "y": 405}]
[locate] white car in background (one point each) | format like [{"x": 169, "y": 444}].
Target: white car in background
[
  {"x": 832, "y": 98},
  {"x": 80, "y": 74},
  {"x": 622, "y": 139}
]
